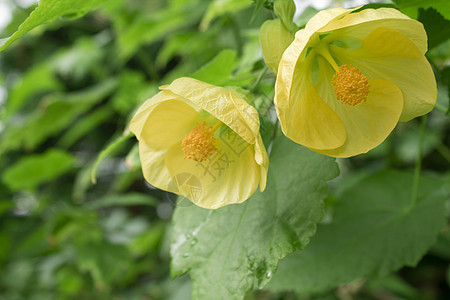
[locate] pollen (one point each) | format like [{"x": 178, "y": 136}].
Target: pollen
[
  {"x": 199, "y": 143},
  {"x": 350, "y": 85}
]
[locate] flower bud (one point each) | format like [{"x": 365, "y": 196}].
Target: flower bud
[
  {"x": 285, "y": 10},
  {"x": 274, "y": 39}
]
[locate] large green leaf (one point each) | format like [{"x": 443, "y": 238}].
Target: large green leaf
[
  {"x": 47, "y": 11},
  {"x": 375, "y": 229},
  {"x": 235, "y": 249}
]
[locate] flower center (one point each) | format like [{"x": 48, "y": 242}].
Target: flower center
[
  {"x": 350, "y": 85},
  {"x": 199, "y": 143}
]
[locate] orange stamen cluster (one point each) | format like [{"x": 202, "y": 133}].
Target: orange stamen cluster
[
  {"x": 350, "y": 85},
  {"x": 199, "y": 143}
]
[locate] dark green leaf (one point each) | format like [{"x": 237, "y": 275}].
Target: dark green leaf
[
  {"x": 436, "y": 26},
  {"x": 375, "y": 229},
  {"x": 410, "y": 7}
]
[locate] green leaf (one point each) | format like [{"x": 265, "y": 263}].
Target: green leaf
[
  {"x": 85, "y": 125},
  {"x": 31, "y": 171},
  {"x": 410, "y": 7},
  {"x": 5, "y": 206},
  {"x": 219, "y": 71},
  {"x": 57, "y": 111},
  {"x": 375, "y": 230},
  {"x": 436, "y": 26},
  {"x": 49, "y": 10},
  {"x": 76, "y": 61},
  {"x": 234, "y": 249},
  {"x": 38, "y": 79},
  {"x": 258, "y": 4},
  {"x": 394, "y": 284},
  {"x": 148, "y": 28},
  {"x": 130, "y": 92},
  {"x": 104, "y": 261},
  {"x": 220, "y": 7}
]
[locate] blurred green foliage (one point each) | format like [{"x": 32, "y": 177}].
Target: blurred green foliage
[{"x": 68, "y": 89}]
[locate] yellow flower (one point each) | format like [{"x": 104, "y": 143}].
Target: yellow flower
[
  {"x": 349, "y": 77},
  {"x": 201, "y": 141}
]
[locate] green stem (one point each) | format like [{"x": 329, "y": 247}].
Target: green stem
[
  {"x": 107, "y": 151},
  {"x": 274, "y": 136},
  {"x": 415, "y": 191},
  {"x": 275, "y": 129},
  {"x": 259, "y": 78}
]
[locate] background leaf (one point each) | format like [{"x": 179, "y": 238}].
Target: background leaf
[
  {"x": 375, "y": 230},
  {"x": 234, "y": 249},
  {"x": 33, "y": 170},
  {"x": 410, "y": 7},
  {"x": 220, "y": 7},
  {"x": 436, "y": 26},
  {"x": 47, "y": 11},
  {"x": 219, "y": 71}
]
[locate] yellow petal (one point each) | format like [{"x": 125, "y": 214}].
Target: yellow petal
[
  {"x": 222, "y": 103},
  {"x": 358, "y": 25},
  {"x": 261, "y": 159},
  {"x": 168, "y": 123},
  {"x": 230, "y": 175},
  {"x": 325, "y": 17},
  {"x": 140, "y": 117},
  {"x": 304, "y": 116},
  {"x": 153, "y": 166},
  {"x": 390, "y": 55},
  {"x": 369, "y": 123}
]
